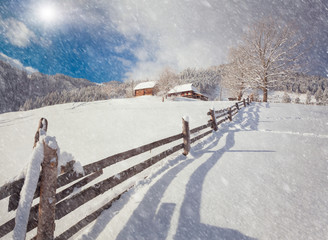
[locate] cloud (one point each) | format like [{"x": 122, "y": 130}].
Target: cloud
[
  {"x": 184, "y": 33},
  {"x": 125, "y": 62},
  {"x": 16, "y": 63},
  {"x": 17, "y": 32},
  {"x": 171, "y": 33},
  {"x": 178, "y": 34},
  {"x": 198, "y": 33}
]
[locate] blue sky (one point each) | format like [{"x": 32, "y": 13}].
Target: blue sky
[
  {"x": 135, "y": 39},
  {"x": 60, "y": 46}
]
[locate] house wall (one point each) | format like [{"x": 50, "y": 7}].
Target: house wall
[
  {"x": 189, "y": 94},
  {"x": 142, "y": 92}
]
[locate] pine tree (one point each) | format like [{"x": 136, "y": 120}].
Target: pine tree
[
  {"x": 318, "y": 95},
  {"x": 286, "y": 98},
  {"x": 325, "y": 97},
  {"x": 308, "y": 97},
  {"x": 297, "y": 100}
]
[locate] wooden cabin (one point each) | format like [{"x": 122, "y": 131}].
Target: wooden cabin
[
  {"x": 188, "y": 91},
  {"x": 144, "y": 88}
]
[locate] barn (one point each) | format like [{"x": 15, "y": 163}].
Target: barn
[
  {"x": 188, "y": 91},
  {"x": 144, "y": 88}
]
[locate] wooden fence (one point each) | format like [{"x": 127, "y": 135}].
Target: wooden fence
[{"x": 65, "y": 204}]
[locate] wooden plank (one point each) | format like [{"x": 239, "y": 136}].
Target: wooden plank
[
  {"x": 197, "y": 129},
  {"x": 33, "y": 222},
  {"x": 7, "y": 227},
  {"x": 15, "y": 195},
  {"x": 88, "y": 219},
  {"x": 68, "y": 167},
  {"x": 66, "y": 192},
  {"x": 200, "y": 136},
  {"x": 221, "y": 111},
  {"x": 69, "y": 205},
  {"x": 222, "y": 115},
  {"x": 17, "y": 186},
  {"x": 33, "y": 219},
  {"x": 222, "y": 120},
  {"x": 11, "y": 188},
  {"x": 234, "y": 113},
  {"x": 94, "y": 167}
]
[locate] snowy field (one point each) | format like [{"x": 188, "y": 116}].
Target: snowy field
[{"x": 262, "y": 176}]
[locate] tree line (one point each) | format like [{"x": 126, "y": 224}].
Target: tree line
[
  {"x": 207, "y": 80},
  {"x": 16, "y": 86}
]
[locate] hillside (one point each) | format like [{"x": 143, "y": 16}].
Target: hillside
[
  {"x": 16, "y": 86},
  {"x": 261, "y": 176}
]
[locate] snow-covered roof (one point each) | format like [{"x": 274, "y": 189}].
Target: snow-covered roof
[
  {"x": 184, "y": 88},
  {"x": 145, "y": 85}
]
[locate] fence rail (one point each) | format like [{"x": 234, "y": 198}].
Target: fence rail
[{"x": 65, "y": 203}]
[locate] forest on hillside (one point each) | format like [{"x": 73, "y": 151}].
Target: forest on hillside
[
  {"x": 208, "y": 81},
  {"x": 21, "y": 91}
]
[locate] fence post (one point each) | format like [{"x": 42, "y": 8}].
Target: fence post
[
  {"x": 244, "y": 101},
  {"x": 230, "y": 114},
  {"x": 248, "y": 101},
  {"x": 213, "y": 119},
  {"x": 186, "y": 135},
  {"x": 46, "y": 219},
  {"x": 237, "y": 106},
  {"x": 43, "y": 125}
]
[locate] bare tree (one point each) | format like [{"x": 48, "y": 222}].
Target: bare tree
[
  {"x": 269, "y": 53},
  {"x": 167, "y": 80},
  {"x": 236, "y": 74}
]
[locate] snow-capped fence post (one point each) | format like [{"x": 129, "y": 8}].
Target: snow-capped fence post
[
  {"x": 186, "y": 135},
  {"x": 244, "y": 102},
  {"x": 230, "y": 114},
  {"x": 213, "y": 119},
  {"x": 43, "y": 125}
]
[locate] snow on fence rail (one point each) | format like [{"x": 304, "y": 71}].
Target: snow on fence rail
[{"x": 64, "y": 205}]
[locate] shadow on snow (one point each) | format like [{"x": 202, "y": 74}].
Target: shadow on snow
[{"x": 146, "y": 222}]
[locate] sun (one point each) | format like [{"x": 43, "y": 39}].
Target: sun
[{"x": 47, "y": 13}]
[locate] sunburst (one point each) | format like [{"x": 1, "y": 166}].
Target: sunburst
[{"x": 47, "y": 13}]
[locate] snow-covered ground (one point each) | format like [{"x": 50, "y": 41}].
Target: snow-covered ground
[
  {"x": 277, "y": 97},
  {"x": 262, "y": 176}
]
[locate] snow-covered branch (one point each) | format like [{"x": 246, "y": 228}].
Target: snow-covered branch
[{"x": 268, "y": 50}]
